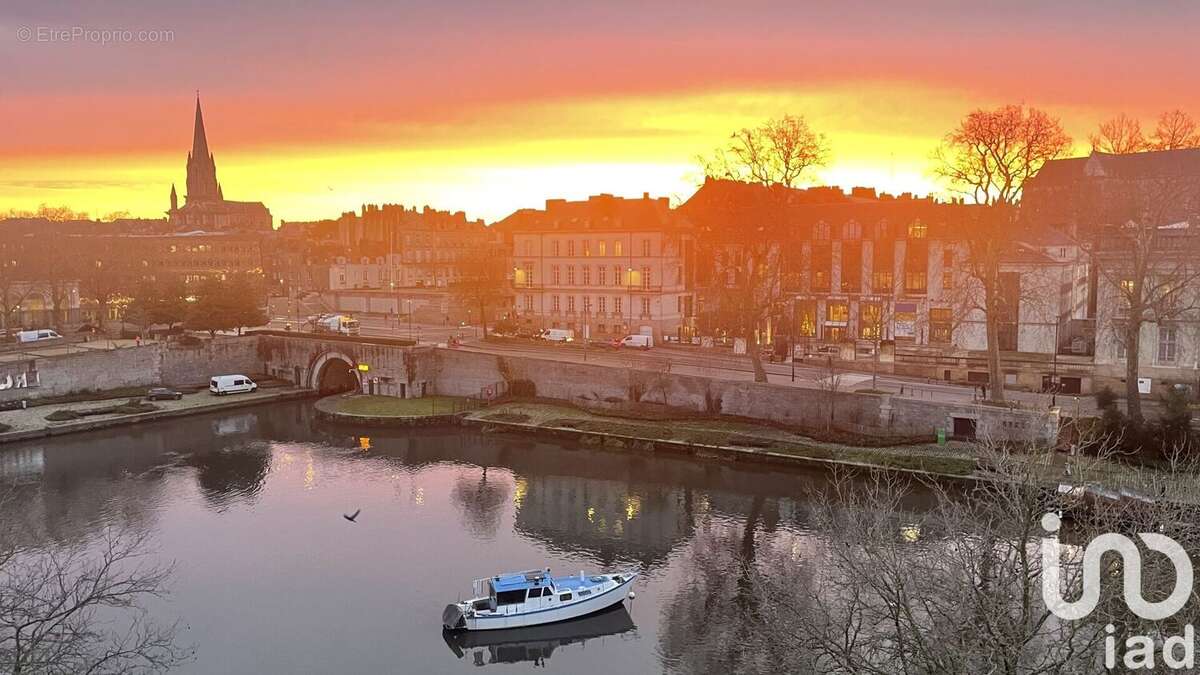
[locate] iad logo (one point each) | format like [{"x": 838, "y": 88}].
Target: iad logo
[
  {"x": 1139, "y": 649},
  {"x": 1132, "y": 559}
]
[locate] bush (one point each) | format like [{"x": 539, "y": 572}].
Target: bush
[
  {"x": 63, "y": 416},
  {"x": 1176, "y": 420},
  {"x": 1106, "y": 399},
  {"x": 515, "y": 418}
]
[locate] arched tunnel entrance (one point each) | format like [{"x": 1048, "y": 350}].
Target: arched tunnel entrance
[{"x": 336, "y": 375}]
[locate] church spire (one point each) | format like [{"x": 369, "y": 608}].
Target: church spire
[
  {"x": 199, "y": 140},
  {"x": 201, "y": 169}
]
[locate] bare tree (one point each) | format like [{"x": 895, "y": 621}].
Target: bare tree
[
  {"x": 482, "y": 286},
  {"x": 776, "y": 156},
  {"x": 1176, "y": 130},
  {"x": 105, "y": 276},
  {"x": 15, "y": 288},
  {"x": 780, "y": 152},
  {"x": 956, "y": 588},
  {"x": 830, "y": 383},
  {"x": 989, "y": 157},
  {"x": 1120, "y": 135},
  {"x": 1146, "y": 255},
  {"x": 76, "y": 608}
]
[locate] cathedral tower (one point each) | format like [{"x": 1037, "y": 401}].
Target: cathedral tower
[{"x": 201, "y": 170}]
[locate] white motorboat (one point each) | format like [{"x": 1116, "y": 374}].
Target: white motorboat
[{"x": 534, "y": 598}]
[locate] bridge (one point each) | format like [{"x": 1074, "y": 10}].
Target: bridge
[{"x": 334, "y": 363}]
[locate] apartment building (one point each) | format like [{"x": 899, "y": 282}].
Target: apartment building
[
  {"x": 604, "y": 267},
  {"x": 857, "y": 267},
  {"x": 1137, "y": 215}
]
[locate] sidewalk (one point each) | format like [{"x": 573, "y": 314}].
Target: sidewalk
[{"x": 32, "y": 423}]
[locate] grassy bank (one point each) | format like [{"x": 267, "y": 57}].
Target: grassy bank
[
  {"x": 952, "y": 458},
  {"x": 390, "y": 406}
]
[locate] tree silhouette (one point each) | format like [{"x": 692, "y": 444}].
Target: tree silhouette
[{"x": 989, "y": 157}]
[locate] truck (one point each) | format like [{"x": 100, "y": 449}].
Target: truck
[{"x": 338, "y": 324}]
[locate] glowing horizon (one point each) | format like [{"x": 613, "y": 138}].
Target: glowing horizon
[{"x": 546, "y": 103}]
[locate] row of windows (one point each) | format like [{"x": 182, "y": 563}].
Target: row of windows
[
  {"x": 1167, "y": 348},
  {"x": 854, "y": 230},
  {"x": 620, "y": 276},
  {"x": 871, "y": 321},
  {"x": 599, "y": 305},
  {"x": 588, "y": 247}
]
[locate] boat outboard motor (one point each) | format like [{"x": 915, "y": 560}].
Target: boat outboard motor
[{"x": 452, "y": 618}]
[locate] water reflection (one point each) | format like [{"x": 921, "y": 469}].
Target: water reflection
[
  {"x": 250, "y": 505},
  {"x": 479, "y": 500},
  {"x": 536, "y": 644},
  {"x": 230, "y": 474}
]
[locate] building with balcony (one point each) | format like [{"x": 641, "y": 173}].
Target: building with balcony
[
  {"x": 1136, "y": 216},
  {"x": 604, "y": 267}
]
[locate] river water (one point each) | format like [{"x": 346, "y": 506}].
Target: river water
[{"x": 270, "y": 578}]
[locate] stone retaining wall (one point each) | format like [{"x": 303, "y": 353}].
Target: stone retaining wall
[{"x": 463, "y": 373}]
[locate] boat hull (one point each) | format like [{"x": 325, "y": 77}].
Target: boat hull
[{"x": 573, "y": 610}]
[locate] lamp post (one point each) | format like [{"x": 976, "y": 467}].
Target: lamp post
[{"x": 1054, "y": 368}]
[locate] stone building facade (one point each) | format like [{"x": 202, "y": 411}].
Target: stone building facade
[{"x": 604, "y": 267}]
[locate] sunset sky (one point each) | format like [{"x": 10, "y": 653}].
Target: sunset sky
[{"x": 317, "y": 107}]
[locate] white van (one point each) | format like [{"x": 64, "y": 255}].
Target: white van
[
  {"x": 558, "y": 335},
  {"x": 231, "y": 384},
  {"x": 638, "y": 341},
  {"x": 37, "y": 335}
]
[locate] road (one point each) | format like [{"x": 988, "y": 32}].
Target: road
[{"x": 689, "y": 360}]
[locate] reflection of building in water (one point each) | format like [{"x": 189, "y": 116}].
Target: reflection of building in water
[
  {"x": 21, "y": 463},
  {"x": 612, "y": 519},
  {"x": 536, "y": 643}
]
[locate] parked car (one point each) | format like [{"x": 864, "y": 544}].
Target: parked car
[
  {"x": 558, "y": 335},
  {"x": 39, "y": 335},
  {"x": 636, "y": 341},
  {"x": 163, "y": 394},
  {"x": 231, "y": 384}
]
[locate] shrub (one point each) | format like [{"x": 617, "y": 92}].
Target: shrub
[{"x": 516, "y": 418}]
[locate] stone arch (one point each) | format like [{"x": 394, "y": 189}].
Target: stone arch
[{"x": 324, "y": 376}]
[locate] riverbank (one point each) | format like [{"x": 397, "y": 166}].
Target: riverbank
[
  {"x": 390, "y": 411},
  {"x": 745, "y": 441},
  {"x": 32, "y": 423},
  {"x": 719, "y": 439}
]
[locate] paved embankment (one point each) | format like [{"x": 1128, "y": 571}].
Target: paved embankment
[{"x": 32, "y": 422}]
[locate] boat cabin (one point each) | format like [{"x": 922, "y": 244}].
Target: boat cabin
[{"x": 531, "y": 591}]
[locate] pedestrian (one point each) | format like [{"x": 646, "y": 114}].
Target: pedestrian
[{"x": 137, "y": 339}]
